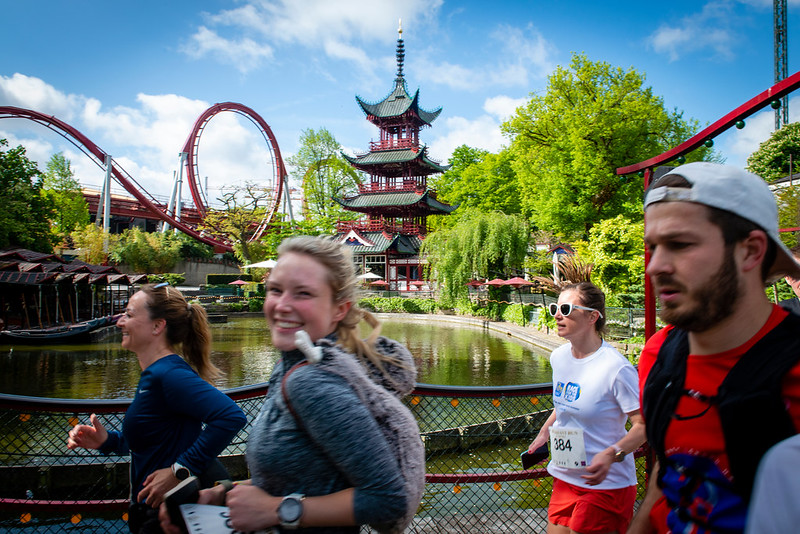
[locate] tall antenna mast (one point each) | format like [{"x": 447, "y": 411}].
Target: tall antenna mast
[{"x": 781, "y": 69}]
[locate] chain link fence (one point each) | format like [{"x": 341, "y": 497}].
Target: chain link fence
[{"x": 473, "y": 440}]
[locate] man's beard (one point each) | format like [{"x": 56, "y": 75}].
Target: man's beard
[{"x": 709, "y": 304}]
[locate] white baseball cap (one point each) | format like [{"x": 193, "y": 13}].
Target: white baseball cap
[{"x": 734, "y": 190}]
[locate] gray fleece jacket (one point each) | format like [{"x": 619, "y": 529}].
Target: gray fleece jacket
[{"x": 348, "y": 414}]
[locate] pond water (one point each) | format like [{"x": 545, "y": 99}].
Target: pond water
[{"x": 445, "y": 354}]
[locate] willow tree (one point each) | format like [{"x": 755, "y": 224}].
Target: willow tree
[
  {"x": 569, "y": 141},
  {"x": 479, "y": 245}
]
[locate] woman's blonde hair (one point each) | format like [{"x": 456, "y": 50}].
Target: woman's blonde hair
[
  {"x": 338, "y": 263},
  {"x": 187, "y": 327}
]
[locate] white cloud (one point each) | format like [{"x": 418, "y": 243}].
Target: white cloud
[
  {"x": 245, "y": 54},
  {"x": 33, "y": 93},
  {"x": 502, "y": 107},
  {"x": 714, "y": 28},
  {"x": 522, "y": 55},
  {"x": 339, "y": 29},
  {"x": 482, "y": 132}
]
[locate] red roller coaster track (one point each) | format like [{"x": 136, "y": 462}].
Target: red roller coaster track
[{"x": 191, "y": 147}]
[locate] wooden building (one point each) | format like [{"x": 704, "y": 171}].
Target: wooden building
[{"x": 395, "y": 199}]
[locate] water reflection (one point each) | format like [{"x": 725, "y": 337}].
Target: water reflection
[{"x": 444, "y": 354}]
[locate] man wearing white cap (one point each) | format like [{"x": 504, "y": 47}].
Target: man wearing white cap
[{"x": 721, "y": 383}]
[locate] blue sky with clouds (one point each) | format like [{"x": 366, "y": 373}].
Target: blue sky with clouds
[{"x": 134, "y": 76}]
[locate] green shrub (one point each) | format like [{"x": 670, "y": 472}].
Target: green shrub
[
  {"x": 398, "y": 305},
  {"x": 255, "y": 305},
  {"x": 236, "y": 306}
]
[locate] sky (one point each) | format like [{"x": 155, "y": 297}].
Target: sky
[{"x": 134, "y": 77}]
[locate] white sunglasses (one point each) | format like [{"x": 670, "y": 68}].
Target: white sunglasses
[{"x": 567, "y": 307}]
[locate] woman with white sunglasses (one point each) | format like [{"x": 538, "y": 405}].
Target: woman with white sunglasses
[{"x": 595, "y": 392}]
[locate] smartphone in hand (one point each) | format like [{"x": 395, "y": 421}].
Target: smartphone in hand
[
  {"x": 187, "y": 491},
  {"x": 529, "y": 459}
]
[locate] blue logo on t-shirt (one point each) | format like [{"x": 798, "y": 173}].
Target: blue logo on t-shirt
[
  {"x": 572, "y": 392},
  {"x": 559, "y": 389}
]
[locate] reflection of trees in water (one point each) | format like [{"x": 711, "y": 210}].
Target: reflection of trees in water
[
  {"x": 444, "y": 354},
  {"x": 466, "y": 356}
]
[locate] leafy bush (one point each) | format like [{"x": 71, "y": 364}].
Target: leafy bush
[
  {"x": 398, "y": 305},
  {"x": 236, "y": 306},
  {"x": 255, "y": 305}
]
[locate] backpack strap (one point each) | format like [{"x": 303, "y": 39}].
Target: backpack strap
[
  {"x": 751, "y": 404},
  {"x": 663, "y": 390},
  {"x": 286, "y": 397}
]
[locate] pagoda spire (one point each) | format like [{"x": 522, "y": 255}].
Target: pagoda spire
[{"x": 401, "y": 52}]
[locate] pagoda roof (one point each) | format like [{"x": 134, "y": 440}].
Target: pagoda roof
[
  {"x": 396, "y": 203},
  {"x": 398, "y": 103},
  {"x": 381, "y": 242},
  {"x": 394, "y": 162}
]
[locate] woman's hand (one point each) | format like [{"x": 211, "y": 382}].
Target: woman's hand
[
  {"x": 538, "y": 442},
  {"x": 252, "y": 508},
  {"x": 156, "y": 485},
  {"x": 91, "y": 436},
  {"x": 601, "y": 464}
]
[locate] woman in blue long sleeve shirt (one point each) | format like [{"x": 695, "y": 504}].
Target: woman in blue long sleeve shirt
[{"x": 163, "y": 427}]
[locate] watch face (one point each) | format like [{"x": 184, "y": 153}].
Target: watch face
[
  {"x": 182, "y": 473},
  {"x": 290, "y": 510}
]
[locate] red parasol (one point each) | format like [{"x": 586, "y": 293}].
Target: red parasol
[
  {"x": 379, "y": 283},
  {"x": 497, "y": 282},
  {"x": 518, "y": 282},
  {"x": 238, "y": 283},
  {"x": 474, "y": 283},
  {"x": 417, "y": 283}
]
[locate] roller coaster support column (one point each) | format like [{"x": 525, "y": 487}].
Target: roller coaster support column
[
  {"x": 178, "y": 204},
  {"x": 171, "y": 206},
  {"x": 288, "y": 198}
]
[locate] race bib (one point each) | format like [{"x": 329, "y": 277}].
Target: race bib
[{"x": 566, "y": 448}]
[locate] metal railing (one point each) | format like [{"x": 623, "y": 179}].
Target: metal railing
[{"x": 473, "y": 439}]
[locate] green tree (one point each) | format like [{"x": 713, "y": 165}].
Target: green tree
[
  {"x": 147, "y": 252},
  {"x": 324, "y": 174},
  {"x": 788, "y": 199},
  {"x": 64, "y": 192},
  {"x": 778, "y": 157},
  {"x": 616, "y": 249},
  {"x": 245, "y": 208},
  {"x": 25, "y": 213},
  {"x": 773, "y": 158},
  {"x": 569, "y": 141},
  {"x": 93, "y": 243},
  {"x": 487, "y": 185},
  {"x": 462, "y": 158},
  {"x": 480, "y": 245}
]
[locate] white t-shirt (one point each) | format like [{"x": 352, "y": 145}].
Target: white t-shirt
[{"x": 595, "y": 394}]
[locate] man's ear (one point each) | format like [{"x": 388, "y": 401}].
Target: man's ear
[{"x": 753, "y": 250}]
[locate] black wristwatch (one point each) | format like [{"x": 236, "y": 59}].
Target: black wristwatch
[
  {"x": 290, "y": 510},
  {"x": 181, "y": 472}
]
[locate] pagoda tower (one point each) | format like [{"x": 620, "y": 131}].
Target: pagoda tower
[{"x": 395, "y": 199}]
